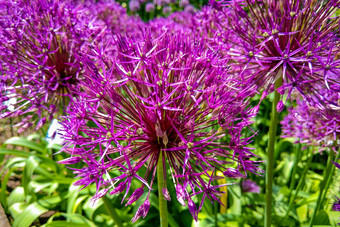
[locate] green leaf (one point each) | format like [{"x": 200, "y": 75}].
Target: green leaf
[
  {"x": 14, "y": 152},
  {"x": 17, "y": 208},
  {"x": 322, "y": 218},
  {"x": 77, "y": 202},
  {"x": 334, "y": 217},
  {"x": 54, "y": 146},
  {"x": 27, "y": 217},
  {"x": 90, "y": 207},
  {"x": 73, "y": 193},
  {"x": 31, "y": 163},
  {"x": 19, "y": 141},
  {"x": 65, "y": 224},
  {"x": 50, "y": 202},
  {"x": 78, "y": 218},
  {"x": 4, "y": 182},
  {"x": 302, "y": 213},
  {"x": 16, "y": 196},
  {"x": 16, "y": 162}
]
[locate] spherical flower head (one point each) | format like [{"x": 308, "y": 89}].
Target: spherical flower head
[
  {"x": 149, "y": 7},
  {"x": 313, "y": 124},
  {"x": 42, "y": 72},
  {"x": 134, "y": 5},
  {"x": 250, "y": 186},
  {"x": 184, "y": 3},
  {"x": 165, "y": 96},
  {"x": 296, "y": 41},
  {"x": 190, "y": 9},
  {"x": 167, "y": 10}
]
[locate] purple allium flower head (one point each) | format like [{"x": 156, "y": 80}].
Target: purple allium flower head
[
  {"x": 312, "y": 124},
  {"x": 250, "y": 186},
  {"x": 38, "y": 59},
  {"x": 149, "y": 7},
  {"x": 164, "y": 94},
  {"x": 134, "y": 5},
  {"x": 167, "y": 10},
  {"x": 297, "y": 41},
  {"x": 183, "y": 3},
  {"x": 190, "y": 9}
]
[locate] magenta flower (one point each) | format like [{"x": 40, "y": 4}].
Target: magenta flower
[
  {"x": 315, "y": 125},
  {"x": 42, "y": 73},
  {"x": 165, "y": 95},
  {"x": 134, "y": 5},
  {"x": 149, "y": 7},
  {"x": 297, "y": 41},
  {"x": 250, "y": 186}
]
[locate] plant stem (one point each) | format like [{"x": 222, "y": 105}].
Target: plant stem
[
  {"x": 330, "y": 177},
  {"x": 163, "y": 209},
  {"x": 112, "y": 211},
  {"x": 300, "y": 184},
  {"x": 297, "y": 156},
  {"x": 327, "y": 177},
  {"x": 270, "y": 154}
]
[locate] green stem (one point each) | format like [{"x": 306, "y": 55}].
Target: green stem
[
  {"x": 270, "y": 162},
  {"x": 300, "y": 184},
  {"x": 163, "y": 209},
  {"x": 297, "y": 157},
  {"x": 327, "y": 177},
  {"x": 112, "y": 211}
]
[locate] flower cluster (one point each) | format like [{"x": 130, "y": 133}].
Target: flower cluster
[
  {"x": 40, "y": 40},
  {"x": 166, "y": 100},
  {"x": 314, "y": 125},
  {"x": 296, "y": 41},
  {"x": 250, "y": 186}
]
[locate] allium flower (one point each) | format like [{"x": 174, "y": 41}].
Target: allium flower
[
  {"x": 167, "y": 10},
  {"x": 190, "y": 9},
  {"x": 313, "y": 125},
  {"x": 250, "y": 186},
  {"x": 37, "y": 57},
  {"x": 183, "y": 3},
  {"x": 297, "y": 41},
  {"x": 165, "y": 96},
  {"x": 149, "y": 7},
  {"x": 134, "y": 5}
]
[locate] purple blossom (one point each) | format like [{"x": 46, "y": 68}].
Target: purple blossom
[
  {"x": 250, "y": 186},
  {"x": 183, "y": 3},
  {"x": 134, "y": 5},
  {"x": 312, "y": 124},
  {"x": 164, "y": 94},
  {"x": 190, "y": 9},
  {"x": 149, "y": 7},
  {"x": 167, "y": 10},
  {"x": 297, "y": 41},
  {"x": 42, "y": 73}
]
